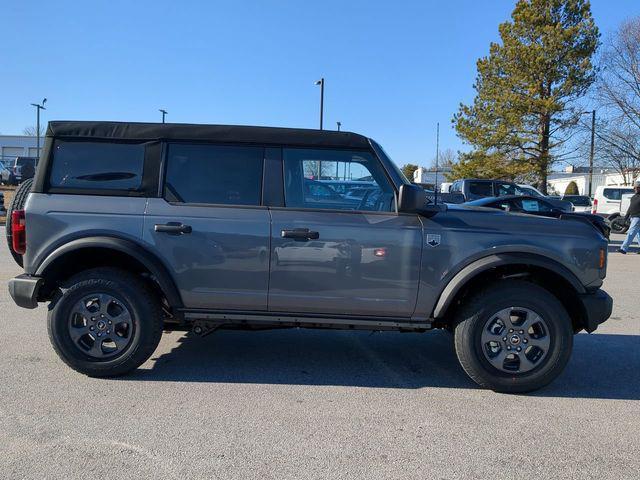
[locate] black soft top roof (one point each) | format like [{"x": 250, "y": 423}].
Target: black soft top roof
[{"x": 212, "y": 133}]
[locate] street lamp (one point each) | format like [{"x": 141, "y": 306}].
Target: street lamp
[
  {"x": 39, "y": 106},
  {"x": 164, "y": 112},
  {"x": 593, "y": 135},
  {"x": 321, "y": 83},
  {"x": 339, "y": 125}
]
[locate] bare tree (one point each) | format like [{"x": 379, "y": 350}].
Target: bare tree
[
  {"x": 447, "y": 158},
  {"x": 618, "y": 97},
  {"x": 31, "y": 131}
]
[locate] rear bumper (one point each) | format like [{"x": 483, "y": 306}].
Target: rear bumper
[
  {"x": 597, "y": 307},
  {"x": 24, "y": 290}
]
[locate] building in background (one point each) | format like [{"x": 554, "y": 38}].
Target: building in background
[
  {"x": 559, "y": 182},
  {"x": 12, "y": 146},
  {"x": 427, "y": 177}
]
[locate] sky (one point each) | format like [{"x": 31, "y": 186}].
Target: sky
[{"x": 392, "y": 69}]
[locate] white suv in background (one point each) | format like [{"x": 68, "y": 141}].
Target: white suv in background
[
  {"x": 606, "y": 201},
  {"x": 5, "y": 173}
]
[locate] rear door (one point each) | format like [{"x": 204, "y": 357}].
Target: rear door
[
  {"x": 336, "y": 255},
  {"x": 210, "y": 228}
]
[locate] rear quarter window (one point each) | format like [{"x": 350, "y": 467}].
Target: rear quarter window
[{"x": 97, "y": 165}]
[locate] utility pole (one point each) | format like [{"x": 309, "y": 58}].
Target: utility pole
[
  {"x": 321, "y": 83},
  {"x": 435, "y": 186},
  {"x": 164, "y": 112},
  {"x": 339, "y": 125},
  {"x": 593, "y": 138},
  {"x": 38, "y": 108},
  {"x": 591, "y": 152}
]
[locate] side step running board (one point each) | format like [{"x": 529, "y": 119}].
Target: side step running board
[{"x": 306, "y": 321}]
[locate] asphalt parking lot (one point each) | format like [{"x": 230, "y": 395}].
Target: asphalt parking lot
[{"x": 313, "y": 404}]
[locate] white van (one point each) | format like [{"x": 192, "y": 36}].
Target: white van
[{"x": 606, "y": 201}]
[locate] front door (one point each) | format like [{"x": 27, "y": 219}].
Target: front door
[
  {"x": 210, "y": 229},
  {"x": 344, "y": 253}
]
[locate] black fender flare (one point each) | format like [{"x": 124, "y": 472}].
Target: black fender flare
[
  {"x": 128, "y": 247},
  {"x": 483, "y": 264}
]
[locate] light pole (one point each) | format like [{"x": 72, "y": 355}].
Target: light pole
[
  {"x": 321, "y": 83},
  {"x": 339, "y": 125},
  {"x": 39, "y": 106},
  {"x": 435, "y": 186},
  {"x": 591, "y": 151},
  {"x": 164, "y": 112}
]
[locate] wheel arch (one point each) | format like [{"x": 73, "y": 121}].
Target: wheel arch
[
  {"x": 548, "y": 273},
  {"x": 89, "y": 252}
]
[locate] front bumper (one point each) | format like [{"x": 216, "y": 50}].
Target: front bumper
[
  {"x": 597, "y": 307},
  {"x": 24, "y": 290}
]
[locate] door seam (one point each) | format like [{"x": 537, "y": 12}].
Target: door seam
[{"x": 269, "y": 250}]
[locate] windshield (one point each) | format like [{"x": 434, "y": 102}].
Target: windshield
[{"x": 529, "y": 191}]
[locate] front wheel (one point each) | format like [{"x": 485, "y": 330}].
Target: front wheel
[
  {"x": 105, "y": 322},
  {"x": 513, "y": 336}
]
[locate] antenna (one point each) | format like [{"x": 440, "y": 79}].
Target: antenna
[{"x": 435, "y": 186}]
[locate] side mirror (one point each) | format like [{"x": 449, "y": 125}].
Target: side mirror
[{"x": 411, "y": 198}]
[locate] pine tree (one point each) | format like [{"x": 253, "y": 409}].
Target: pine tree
[
  {"x": 408, "y": 170},
  {"x": 527, "y": 86}
]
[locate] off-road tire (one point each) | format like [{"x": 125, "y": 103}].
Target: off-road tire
[
  {"x": 142, "y": 303},
  {"x": 471, "y": 318},
  {"x": 17, "y": 203}
]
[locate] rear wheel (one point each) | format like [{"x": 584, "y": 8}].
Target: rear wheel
[
  {"x": 105, "y": 322},
  {"x": 513, "y": 336},
  {"x": 17, "y": 203},
  {"x": 619, "y": 225}
]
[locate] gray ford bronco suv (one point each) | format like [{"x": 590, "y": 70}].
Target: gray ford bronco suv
[{"x": 129, "y": 229}]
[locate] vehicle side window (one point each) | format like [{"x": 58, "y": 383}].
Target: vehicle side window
[
  {"x": 318, "y": 190},
  {"x": 483, "y": 189},
  {"x": 534, "y": 206},
  {"x": 508, "y": 189},
  {"x": 97, "y": 165},
  {"x": 214, "y": 174},
  {"x": 612, "y": 193},
  {"x": 306, "y": 170}
]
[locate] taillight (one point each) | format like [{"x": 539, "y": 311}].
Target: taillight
[
  {"x": 18, "y": 232},
  {"x": 594, "y": 208}
]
